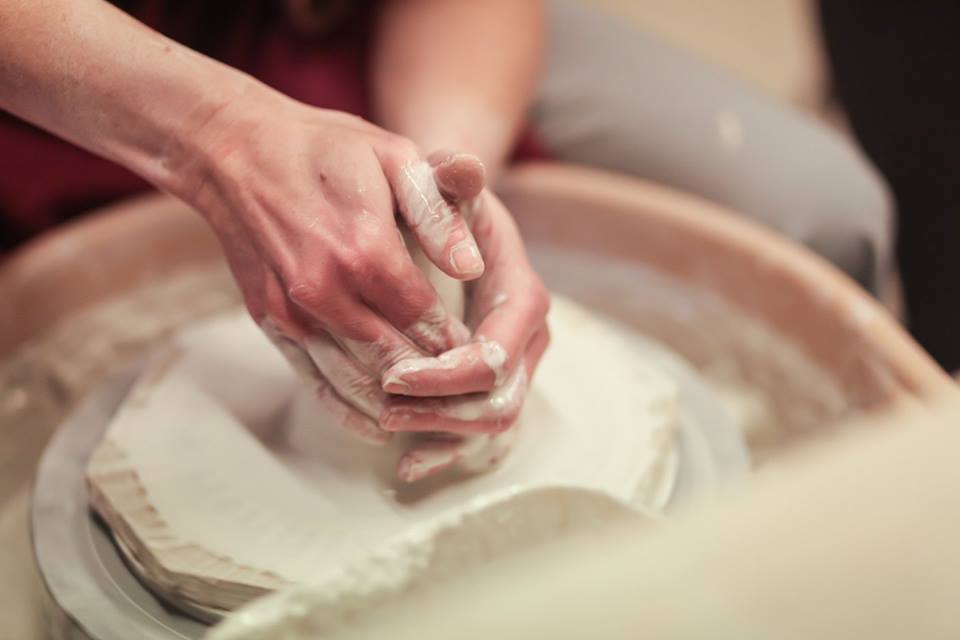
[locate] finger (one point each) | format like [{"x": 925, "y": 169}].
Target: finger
[
  {"x": 406, "y": 299},
  {"x": 500, "y": 340},
  {"x": 349, "y": 418},
  {"x": 355, "y": 384},
  {"x": 337, "y": 380},
  {"x": 373, "y": 342},
  {"x": 438, "y": 226},
  {"x": 493, "y": 412},
  {"x": 488, "y": 452},
  {"x": 352, "y": 346},
  {"x": 476, "y": 367},
  {"x": 460, "y": 176},
  {"x": 429, "y": 457},
  {"x": 342, "y": 413},
  {"x": 299, "y": 322},
  {"x": 487, "y": 413},
  {"x": 473, "y": 454},
  {"x": 509, "y": 305},
  {"x": 377, "y": 296},
  {"x": 296, "y": 356}
]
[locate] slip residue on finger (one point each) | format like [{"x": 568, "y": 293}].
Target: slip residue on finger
[
  {"x": 438, "y": 225},
  {"x": 476, "y": 413},
  {"x": 476, "y": 367}
]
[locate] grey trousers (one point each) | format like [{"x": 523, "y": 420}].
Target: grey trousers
[{"x": 615, "y": 98}]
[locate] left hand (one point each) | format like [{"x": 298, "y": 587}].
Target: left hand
[{"x": 478, "y": 388}]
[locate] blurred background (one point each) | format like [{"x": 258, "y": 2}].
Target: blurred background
[
  {"x": 883, "y": 74},
  {"x": 773, "y": 45}
]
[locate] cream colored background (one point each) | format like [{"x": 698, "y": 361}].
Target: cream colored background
[{"x": 772, "y": 44}]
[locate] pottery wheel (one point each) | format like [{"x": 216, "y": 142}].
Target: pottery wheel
[{"x": 94, "y": 590}]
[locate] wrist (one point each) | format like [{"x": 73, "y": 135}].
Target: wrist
[
  {"x": 196, "y": 139},
  {"x": 162, "y": 133}
]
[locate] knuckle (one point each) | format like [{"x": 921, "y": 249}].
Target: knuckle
[
  {"x": 313, "y": 293},
  {"x": 547, "y": 336},
  {"x": 536, "y": 297},
  {"x": 542, "y": 298},
  {"x": 404, "y": 147},
  {"x": 351, "y": 258},
  {"x": 374, "y": 249},
  {"x": 362, "y": 264},
  {"x": 536, "y": 303},
  {"x": 364, "y": 256}
]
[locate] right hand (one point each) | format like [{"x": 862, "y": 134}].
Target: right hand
[{"x": 303, "y": 202}]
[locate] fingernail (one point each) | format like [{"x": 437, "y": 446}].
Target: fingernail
[
  {"x": 371, "y": 434},
  {"x": 393, "y": 420},
  {"x": 393, "y": 381},
  {"x": 466, "y": 259},
  {"x": 396, "y": 386}
]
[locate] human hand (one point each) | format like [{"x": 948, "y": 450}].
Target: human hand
[
  {"x": 303, "y": 202},
  {"x": 467, "y": 398}
]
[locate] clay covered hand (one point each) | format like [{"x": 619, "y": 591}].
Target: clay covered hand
[
  {"x": 303, "y": 202},
  {"x": 468, "y": 397}
]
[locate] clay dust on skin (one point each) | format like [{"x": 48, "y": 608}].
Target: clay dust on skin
[
  {"x": 377, "y": 355},
  {"x": 487, "y": 451},
  {"x": 420, "y": 463},
  {"x": 490, "y": 352},
  {"x": 352, "y": 383},
  {"x": 471, "y": 454},
  {"x": 498, "y": 406},
  {"x": 494, "y": 356},
  {"x": 306, "y": 368},
  {"x": 295, "y": 355},
  {"x": 433, "y": 331},
  {"x": 427, "y": 211},
  {"x": 431, "y": 216},
  {"x": 479, "y": 452},
  {"x": 435, "y": 454},
  {"x": 444, "y": 362}
]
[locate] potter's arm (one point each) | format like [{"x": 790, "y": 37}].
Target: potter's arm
[
  {"x": 89, "y": 73},
  {"x": 458, "y": 74},
  {"x": 302, "y": 199}
]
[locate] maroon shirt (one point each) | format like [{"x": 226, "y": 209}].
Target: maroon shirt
[{"x": 44, "y": 180}]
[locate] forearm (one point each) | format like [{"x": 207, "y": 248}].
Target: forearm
[
  {"x": 89, "y": 73},
  {"x": 458, "y": 74}
]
